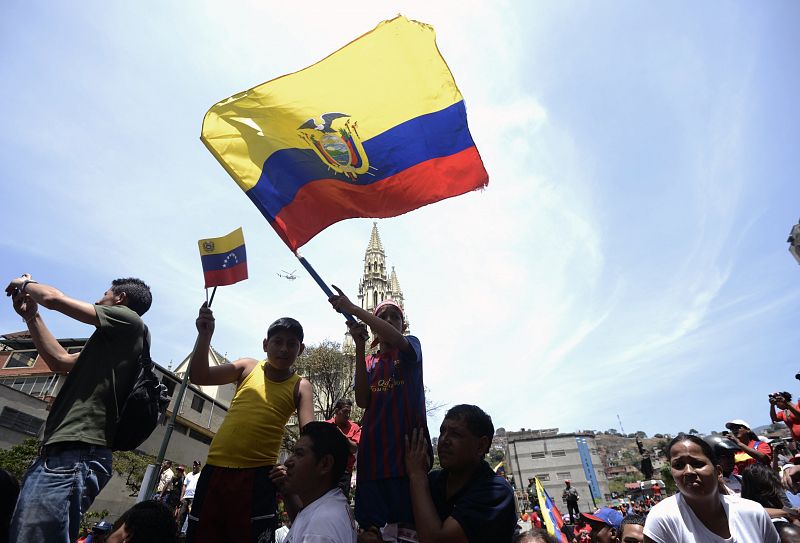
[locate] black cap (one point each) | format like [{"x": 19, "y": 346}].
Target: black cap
[{"x": 286, "y": 323}]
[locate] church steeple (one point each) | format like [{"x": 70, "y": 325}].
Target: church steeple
[
  {"x": 376, "y": 285},
  {"x": 375, "y": 240}
]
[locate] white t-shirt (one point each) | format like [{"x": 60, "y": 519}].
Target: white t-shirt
[
  {"x": 673, "y": 521},
  {"x": 325, "y": 520},
  {"x": 190, "y": 483},
  {"x": 166, "y": 477}
]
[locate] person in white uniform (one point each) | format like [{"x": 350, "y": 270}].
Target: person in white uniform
[
  {"x": 312, "y": 474},
  {"x": 699, "y": 513}
]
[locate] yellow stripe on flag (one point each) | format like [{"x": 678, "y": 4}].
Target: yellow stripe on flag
[
  {"x": 223, "y": 245},
  {"x": 370, "y": 79}
]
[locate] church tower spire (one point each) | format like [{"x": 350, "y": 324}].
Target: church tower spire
[{"x": 376, "y": 284}]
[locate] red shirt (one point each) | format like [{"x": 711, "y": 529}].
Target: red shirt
[
  {"x": 353, "y": 433},
  {"x": 743, "y": 459},
  {"x": 791, "y": 420}
]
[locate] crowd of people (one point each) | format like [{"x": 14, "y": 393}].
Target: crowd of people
[{"x": 728, "y": 489}]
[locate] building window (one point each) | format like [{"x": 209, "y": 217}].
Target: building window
[
  {"x": 198, "y": 403},
  {"x": 538, "y": 454},
  {"x": 558, "y": 452},
  {"x": 181, "y": 428},
  {"x": 202, "y": 438},
  {"x": 564, "y": 475},
  {"x": 543, "y": 476},
  {"x": 19, "y": 421},
  {"x": 21, "y": 359}
]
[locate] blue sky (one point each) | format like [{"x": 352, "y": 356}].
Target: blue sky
[{"x": 628, "y": 256}]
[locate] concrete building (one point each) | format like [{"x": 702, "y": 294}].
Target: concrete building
[
  {"x": 555, "y": 458},
  {"x": 28, "y": 388}
]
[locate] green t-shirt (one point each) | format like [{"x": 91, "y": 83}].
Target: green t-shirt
[{"x": 85, "y": 409}]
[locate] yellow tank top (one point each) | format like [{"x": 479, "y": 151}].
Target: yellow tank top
[{"x": 250, "y": 436}]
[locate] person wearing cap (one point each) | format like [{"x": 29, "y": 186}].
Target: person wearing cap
[
  {"x": 235, "y": 498},
  {"x": 171, "y": 494},
  {"x": 389, "y": 387},
  {"x": 751, "y": 449},
  {"x": 187, "y": 495},
  {"x": 604, "y": 524},
  {"x": 725, "y": 451},
  {"x": 570, "y": 495}
]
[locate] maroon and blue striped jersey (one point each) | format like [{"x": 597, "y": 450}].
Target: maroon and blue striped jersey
[{"x": 396, "y": 407}]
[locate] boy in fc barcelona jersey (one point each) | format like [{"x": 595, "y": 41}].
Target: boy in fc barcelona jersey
[{"x": 389, "y": 387}]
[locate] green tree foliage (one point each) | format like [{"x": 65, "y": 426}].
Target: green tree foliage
[
  {"x": 618, "y": 485},
  {"x": 666, "y": 476},
  {"x": 331, "y": 373},
  {"x": 132, "y": 465},
  {"x": 18, "y": 458}
]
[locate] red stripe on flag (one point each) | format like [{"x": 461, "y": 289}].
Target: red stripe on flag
[
  {"x": 323, "y": 202},
  {"x": 226, "y": 276}
]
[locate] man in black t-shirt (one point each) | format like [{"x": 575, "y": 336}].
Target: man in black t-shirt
[
  {"x": 464, "y": 501},
  {"x": 74, "y": 463}
]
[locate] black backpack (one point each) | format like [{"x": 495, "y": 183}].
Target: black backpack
[{"x": 145, "y": 405}]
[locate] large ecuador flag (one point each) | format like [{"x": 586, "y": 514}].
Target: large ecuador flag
[
  {"x": 550, "y": 513},
  {"x": 224, "y": 259},
  {"x": 376, "y": 129}
]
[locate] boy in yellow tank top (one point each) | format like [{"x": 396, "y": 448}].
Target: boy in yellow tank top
[{"x": 235, "y": 499}]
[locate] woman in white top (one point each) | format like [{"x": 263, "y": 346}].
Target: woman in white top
[{"x": 699, "y": 513}]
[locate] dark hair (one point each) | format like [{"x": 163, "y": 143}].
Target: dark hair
[
  {"x": 327, "y": 439},
  {"x": 136, "y": 292},
  {"x": 630, "y": 519},
  {"x": 286, "y": 323},
  {"x": 786, "y": 396},
  {"x": 9, "y": 490},
  {"x": 708, "y": 451},
  {"x": 342, "y": 402},
  {"x": 761, "y": 484},
  {"x": 148, "y": 522},
  {"x": 534, "y": 536},
  {"x": 476, "y": 419}
]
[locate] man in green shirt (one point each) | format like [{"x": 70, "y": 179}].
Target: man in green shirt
[{"x": 75, "y": 461}]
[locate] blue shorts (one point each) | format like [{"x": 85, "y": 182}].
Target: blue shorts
[{"x": 383, "y": 501}]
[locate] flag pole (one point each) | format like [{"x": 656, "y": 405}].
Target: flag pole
[
  {"x": 325, "y": 288},
  {"x": 213, "y": 291}
]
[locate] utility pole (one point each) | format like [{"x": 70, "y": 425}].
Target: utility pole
[{"x": 621, "y": 429}]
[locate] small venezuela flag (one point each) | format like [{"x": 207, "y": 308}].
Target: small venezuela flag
[
  {"x": 224, "y": 259},
  {"x": 376, "y": 129}
]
